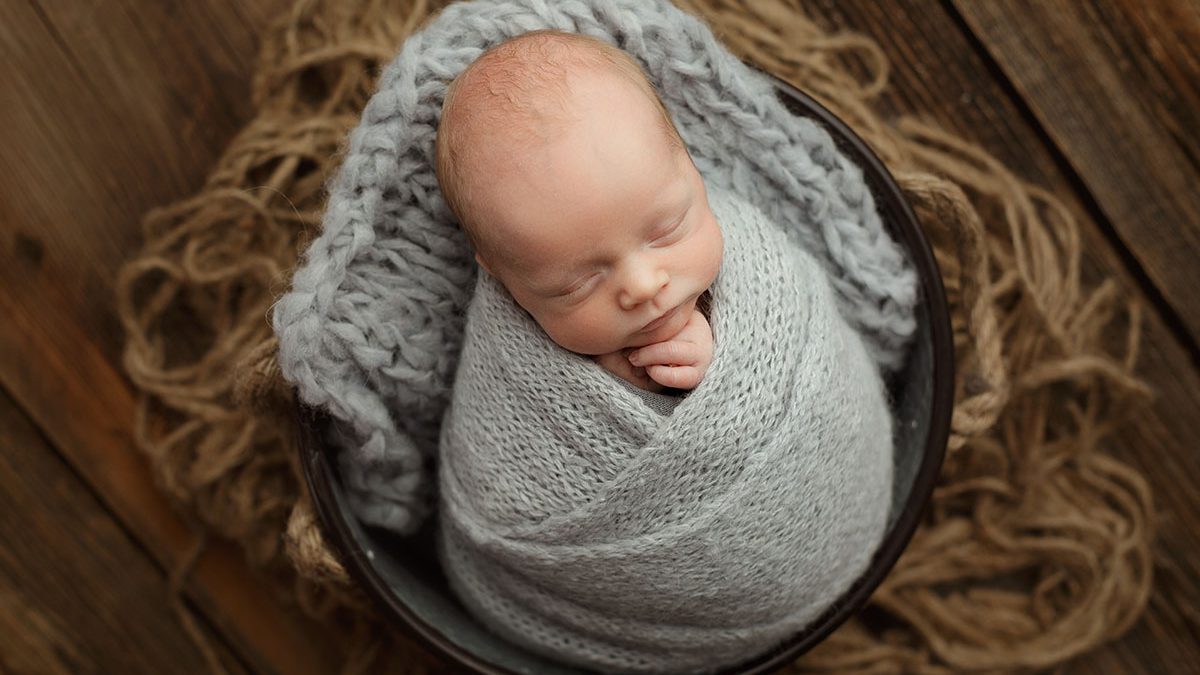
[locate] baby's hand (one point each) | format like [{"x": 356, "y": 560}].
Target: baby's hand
[
  {"x": 680, "y": 362},
  {"x": 618, "y": 364}
]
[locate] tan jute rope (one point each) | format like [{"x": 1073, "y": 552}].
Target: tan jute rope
[{"x": 1036, "y": 545}]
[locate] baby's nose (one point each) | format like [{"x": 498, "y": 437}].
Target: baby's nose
[{"x": 642, "y": 285}]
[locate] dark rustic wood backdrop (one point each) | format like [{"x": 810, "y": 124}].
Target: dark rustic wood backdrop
[{"x": 109, "y": 109}]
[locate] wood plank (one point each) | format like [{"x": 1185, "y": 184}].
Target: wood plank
[
  {"x": 77, "y": 594},
  {"x": 108, "y": 111},
  {"x": 1116, "y": 85},
  {"x": 937, "y": 75}
]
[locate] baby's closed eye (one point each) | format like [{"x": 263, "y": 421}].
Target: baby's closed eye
[
  {"x": 672, "y": 234},
  {"x": 578, "y": 288}
]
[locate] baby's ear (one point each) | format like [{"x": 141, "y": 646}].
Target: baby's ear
[{"x": 479, "y": 259}]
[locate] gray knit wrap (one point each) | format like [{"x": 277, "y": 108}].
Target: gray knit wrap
[
  {"x": 580, "y": 523},
  {"x": 373, "y": 326}
]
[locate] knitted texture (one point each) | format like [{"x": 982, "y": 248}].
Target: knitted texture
[
  {"x": 578, "y": 522},
  {"x": 372, "y": 328}
]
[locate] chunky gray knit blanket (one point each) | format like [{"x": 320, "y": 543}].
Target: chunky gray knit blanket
[{"x": 578, "y": 522}]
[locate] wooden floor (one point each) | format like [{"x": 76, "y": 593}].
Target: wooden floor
[{"x": 109, "y": 109}]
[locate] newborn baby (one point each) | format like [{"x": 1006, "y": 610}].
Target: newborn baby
[
  {"x": 574, "y": 521},
  {"x": 578, "y": 195}
]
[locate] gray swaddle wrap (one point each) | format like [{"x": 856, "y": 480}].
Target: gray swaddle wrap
[{"x": 580, "y": 523}]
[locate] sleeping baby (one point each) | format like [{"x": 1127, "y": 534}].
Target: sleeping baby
[
  {"x": 573, "y": 520},
  {"x": 578, "y": 195}
]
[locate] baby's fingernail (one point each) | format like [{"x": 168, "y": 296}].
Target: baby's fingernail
[{"x": 634, "y": 357}]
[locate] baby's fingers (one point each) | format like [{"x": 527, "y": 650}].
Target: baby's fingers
[
  {"x": 675, "y": 377},
  {"x": 670, "y": 353}
]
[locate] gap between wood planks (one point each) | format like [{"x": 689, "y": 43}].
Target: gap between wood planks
[
  {"x": 1172, "y": 317},
  {"x": 938, "y": 76},
  {"x": 72, "y": 598},
  {"x": 93, "y": 144}
]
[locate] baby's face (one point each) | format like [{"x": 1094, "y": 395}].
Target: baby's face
[{"x": 605, "y": 235}]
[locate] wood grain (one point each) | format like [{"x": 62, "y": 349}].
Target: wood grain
[
  {"x": 77, "y": 594},
  {"x": 1116, "y": 85},
  {"x": 938, "y": 76},
  {"x": 110, "y": 110}
]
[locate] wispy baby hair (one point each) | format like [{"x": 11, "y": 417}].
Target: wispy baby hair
[{"x": 520, "y": 89}]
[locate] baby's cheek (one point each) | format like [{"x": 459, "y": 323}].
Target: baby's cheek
[
  {"x": 585, "y": 331},
  {"x": 714, "y": 245}
]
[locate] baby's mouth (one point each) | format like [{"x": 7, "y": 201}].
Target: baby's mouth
[{"x": 663, "y": 318}]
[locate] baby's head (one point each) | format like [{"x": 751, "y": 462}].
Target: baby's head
[{"x": 575, "y": 189}]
